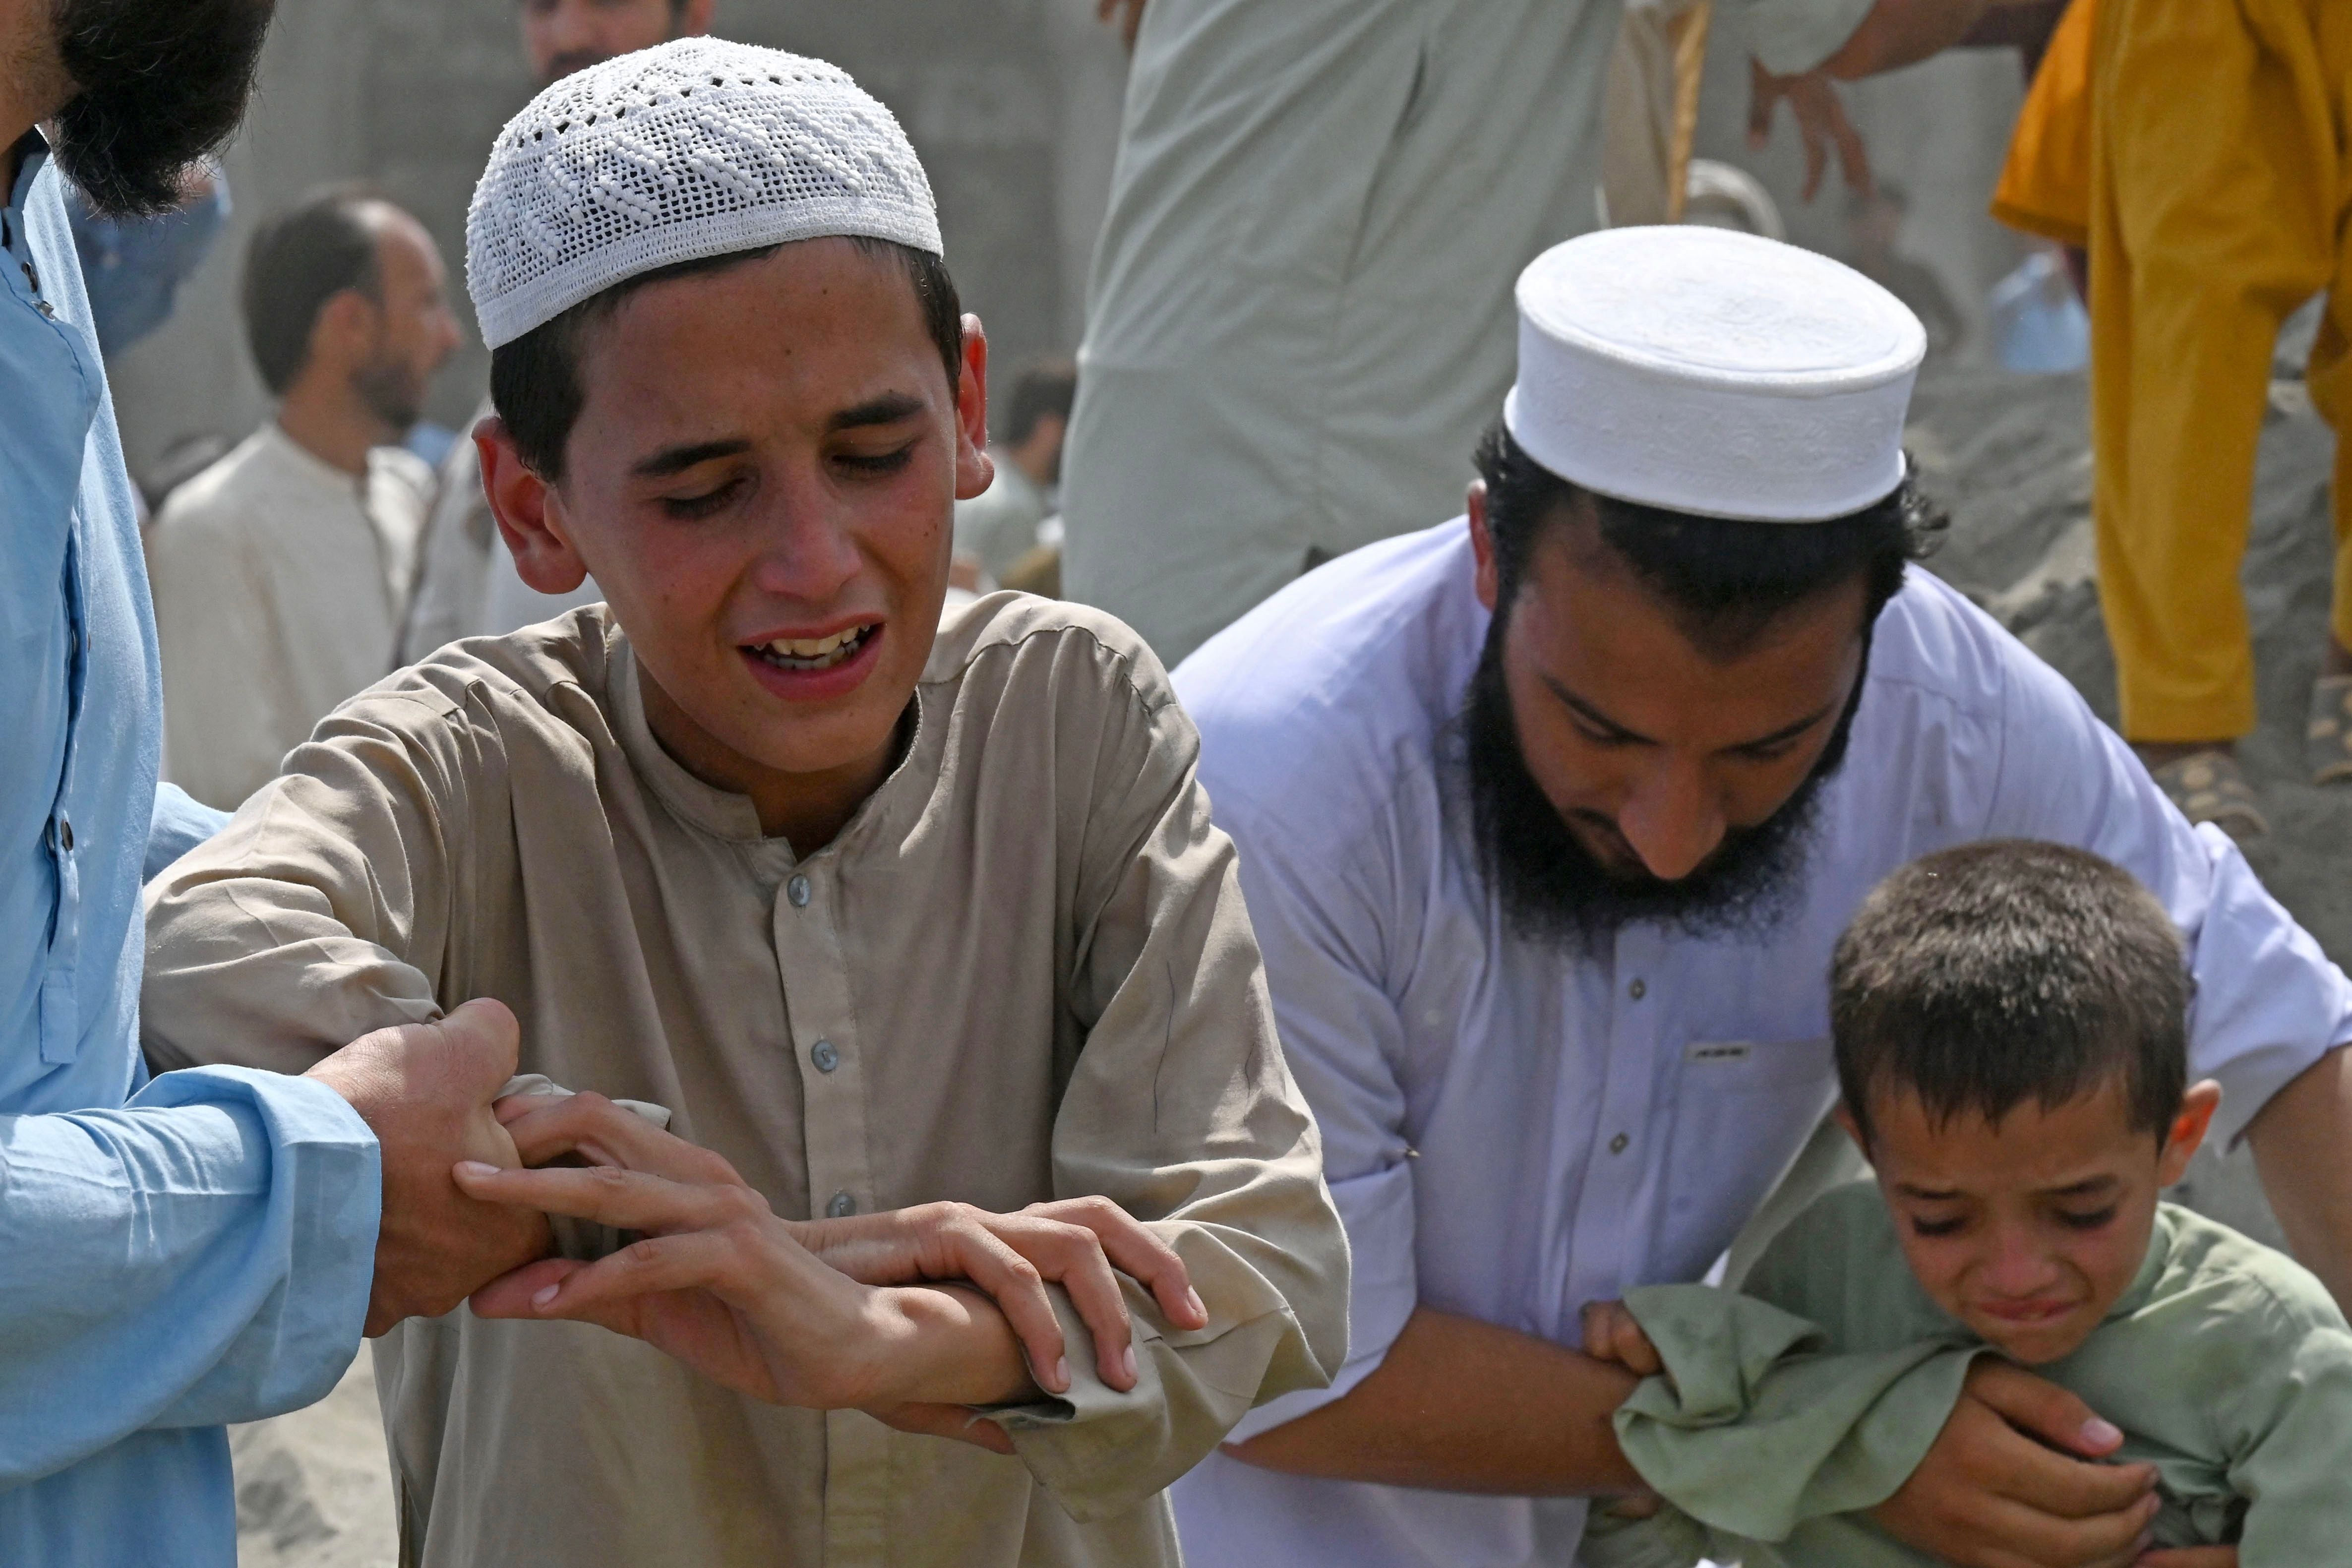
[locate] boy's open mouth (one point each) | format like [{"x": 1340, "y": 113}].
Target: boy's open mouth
[{"x": 813, "y": 653}]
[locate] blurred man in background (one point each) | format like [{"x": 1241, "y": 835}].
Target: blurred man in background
[
  {"x": 468, "y": 586},
  {"x": 997, "y": 529},
  {"x": 1300, "y": 313},
  {"x": 2207, "y": 146},
  {"x": 282, "y": 572}
]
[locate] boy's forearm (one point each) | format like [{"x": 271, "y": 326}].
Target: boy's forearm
[{"x": 954, "y": 1347}]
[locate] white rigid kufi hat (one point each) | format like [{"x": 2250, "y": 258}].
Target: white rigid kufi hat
[
  {"x": 694, "y": 148},
  {"x": 1706, "y": 371}
]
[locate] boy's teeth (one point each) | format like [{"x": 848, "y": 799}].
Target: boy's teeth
[{"x": 830, "y": 649}]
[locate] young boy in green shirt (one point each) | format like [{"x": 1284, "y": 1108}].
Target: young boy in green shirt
[{"x": 2009, "y": 1022}]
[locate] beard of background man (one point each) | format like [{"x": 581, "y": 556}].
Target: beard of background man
[
  {"x": 1554, "y": 889},
  {"x": 158, "y": 84},
  {"x": 391, "y": 390}
]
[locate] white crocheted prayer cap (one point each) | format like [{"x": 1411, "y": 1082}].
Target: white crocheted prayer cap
[
  {"x": 697, "y": 148},
  {"x": 1711, "y": 372}
]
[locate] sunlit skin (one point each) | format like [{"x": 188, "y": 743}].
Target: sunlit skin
[
  {"x": 2028, "y": 1229},
  {"x": 1650, "y": 748},
  {"x": 564, "y": 35},
  {"x": 768, "y": 451}
]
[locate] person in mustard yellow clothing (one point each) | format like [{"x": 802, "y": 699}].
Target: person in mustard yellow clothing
[{"x": 2198, "y": 149}]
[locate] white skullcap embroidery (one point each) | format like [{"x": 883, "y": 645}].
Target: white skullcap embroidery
[
  {"x": 1710, "y": 371},
  {"x": 697, "y": 148}
]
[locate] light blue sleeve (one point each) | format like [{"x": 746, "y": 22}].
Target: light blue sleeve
[
  {"x": 201, "y": 1256},
  {"x": 2269, "y": 1003},
  {"x": 180, "y": 823}
]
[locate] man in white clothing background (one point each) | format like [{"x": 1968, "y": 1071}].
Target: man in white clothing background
[
  {"x": 281, "y": 572},
  {"x": 1548, "y": 818},
  {"x": 1299, "y": 315},
  {"x": 467, "y": 585}
]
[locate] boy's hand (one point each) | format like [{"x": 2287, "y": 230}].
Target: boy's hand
[
  {"x": 1078, "y": 1244},
  {"x": 1612, "y": 1334},
  {"x": 425, "y": 1090},
  {"x": 1991, "y": 1493},
  {"x": 1075, "y": 1243}
]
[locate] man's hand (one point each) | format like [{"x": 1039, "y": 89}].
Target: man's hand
[
  {"x": 1989, "y": 1495},
  {"x": 1821, "y": 120},
  {"x": 1611, "y": 1333},
  {"x": 425, "y": 1090}
]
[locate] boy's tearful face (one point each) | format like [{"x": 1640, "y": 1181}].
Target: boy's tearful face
[
  {"x": 2027, "y": 1230},
  {"x": 761, "y": 480}
]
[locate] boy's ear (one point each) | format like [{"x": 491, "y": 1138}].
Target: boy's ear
[
  {"x": 974, "y": 468},
  {"x": 1846, "y": 1118},
  {"x": 529, "y": 512},
  {"x": 1482, "y": 546},
  {"x": 2189, "y": 1130}
]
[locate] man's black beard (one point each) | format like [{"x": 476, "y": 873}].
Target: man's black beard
[
  {"x": 1555, "y": 890},
  {"x": 160, "y": 84},
  {"x": 387, "y": 390}
]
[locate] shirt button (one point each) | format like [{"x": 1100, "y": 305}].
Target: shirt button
[
  {"x": 1638, "y": 990},
  {"x": 65, "y": 834},
  {"x": 1617, "y": 1144},
  {"x": 824, "y": 1056},
  {"x": 797, "y": 890},
  {"x": 842, "y": 1206}
]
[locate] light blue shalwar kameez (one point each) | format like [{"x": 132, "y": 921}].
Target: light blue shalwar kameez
[{"x": 173, "y": 1255}]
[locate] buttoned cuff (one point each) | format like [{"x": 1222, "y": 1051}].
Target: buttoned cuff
[{"x": 1383, "y": 1289}]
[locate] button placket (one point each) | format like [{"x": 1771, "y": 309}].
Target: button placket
[
  {"x": 813, "y": 964},
  {"x": 1612, "y": 1219}
]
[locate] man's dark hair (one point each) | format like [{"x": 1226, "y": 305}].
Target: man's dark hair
[
  {"x": 1998, "y": 973},
  {"x": 1725, "y": 582},
  {"x": 535, "y": 380},
  {"x": 1048, "y": 386},
  {"x": 157, "y": 86},
  {"x": 299, "y": 259}
]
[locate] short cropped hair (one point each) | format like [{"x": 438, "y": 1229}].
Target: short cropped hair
[
  {"x": 1725, "y": 580},
  {"x": 298, "y": 259},
  {"x": 1049, "y": 388},
  {"x": 1998, "y": 973},
  {"x": 535, "y": 380}
]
